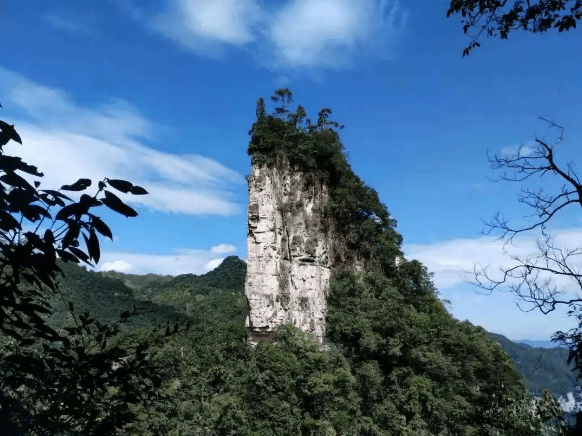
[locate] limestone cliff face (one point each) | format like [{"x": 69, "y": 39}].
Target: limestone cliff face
[{"x": 290, "y": 251}]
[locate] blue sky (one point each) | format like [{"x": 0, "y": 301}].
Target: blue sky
[{"x": 163, "y": 93}]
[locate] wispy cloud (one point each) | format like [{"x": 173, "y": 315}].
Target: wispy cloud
[
  {"x": 205, "y": 25},
  {"x": 330, "y": 32},
  {"x": 182, "y": 261},
  {"x": 70, "y": 24},
  {"x": 104, "y": 142},
  {"x": 90, "y": 20},
  {"x": 453, "y": 261},
  {"x": 524, "y": 149},
  {"x": 223, "y": 248},
  {"x": 295, "y": 34}
]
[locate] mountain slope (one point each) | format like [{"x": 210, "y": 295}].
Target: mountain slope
[
  {"x": 220, "y": 294},
  {"x": 544, "y": 368}
]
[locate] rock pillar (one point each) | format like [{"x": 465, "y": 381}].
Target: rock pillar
[{"x": 289, "y": 251}]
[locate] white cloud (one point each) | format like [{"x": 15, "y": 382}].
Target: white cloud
[
  {"x": 296, "y": 34},
  {"x": 223, "y": 248},
  {"x": 214, "y": 263},
  {"x": 329, "y": 32},
  {"x": 453, "y": 261},
  {"x": 104, "y": 142},
  {"x": 203, "y": 25},
  {"x": 527, "y": 149},
  {"x": 117, "y": 265},
  {"x": 182, "y": 261}
]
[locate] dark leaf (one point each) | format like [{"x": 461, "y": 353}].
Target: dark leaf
[
  {"x": 27, "y": 342},
  {"x": 69, "y": 210},
  {"x": 8, "y": 222},
  {"x": 45, "y": 278},
  {"x": 20, "y": 324},
  {"x": 72, "y": 330},
  {"x": 79, "y": 185},
  {"x": 33, "y": 239},
  {"x": 56, "y": 194},
  {"x": 12, "y": 333},
  {"x": 89, "y": 201},
  {"x": 124, "y": 315},
  {"x": 36, "y": 183},
  {"x": 31, "y": 279},
  {"x": 40, "y": 309},
  {"x": 80, "y": 254},
  {"x": 71, "y": 307},
  {"x": 72, "y": 235},
  {"x": 52, "y": 201},
  {"x": 66, "y": 256},
  {"x": 121, "y": 185},
  {"x": 13, "y": 163},
  {"x": 46, "y": 328},
  {"x": 114, "y": 203},
  {"x": 138, "y": 190},
  {"x": 101, "y": 227},
  {"x": 49, "y": 237},
  {"x": 14, "y": 179},
  {"x": 34, "y": 210},
  {"x": 93, "y": 246},
  {"x": 8, "y": 133}
]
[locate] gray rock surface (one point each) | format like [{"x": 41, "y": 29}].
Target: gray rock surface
[{"x": 290, "y": 252}]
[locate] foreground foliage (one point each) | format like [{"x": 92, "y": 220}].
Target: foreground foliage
[
  {"x": 497, "y": 18},
  {"x": 68, "y": 381}
]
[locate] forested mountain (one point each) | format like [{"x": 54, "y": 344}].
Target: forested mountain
[
  {"x": 230, "y": 274},
  {"x": 105, "y": 298},
  {"x": 544, "y": 368},
  {"x": 217, "y": 303},
  {"x": 216, "y": 294},
  {"x": 219, "y": 294}
]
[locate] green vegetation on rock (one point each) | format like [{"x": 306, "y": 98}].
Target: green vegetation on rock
[{"x": 362, "y": 224}]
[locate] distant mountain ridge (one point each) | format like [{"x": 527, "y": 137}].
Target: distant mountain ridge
[
  {"x": 539, "y": 343},
  {"x": 544, "y": 368},
  {"x": 230, "y": 274}
]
